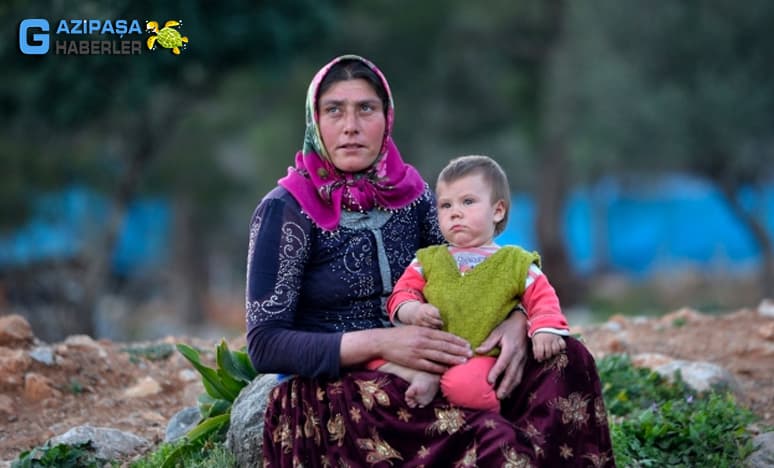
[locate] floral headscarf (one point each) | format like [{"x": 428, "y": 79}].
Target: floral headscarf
[{"x": 322, "y": 190}]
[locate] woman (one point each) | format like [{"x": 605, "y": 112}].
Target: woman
[{"x": 325, "y": 247}]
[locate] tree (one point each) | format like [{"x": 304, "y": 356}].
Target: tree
[
  {"x": 107, "y": 118},
  {"x": 687, "y": 89}
]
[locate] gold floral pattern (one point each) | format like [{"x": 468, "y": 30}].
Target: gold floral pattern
[
  {"x": 448, "y": 420},
  {"x": 599, "y": 411},
  {"x": 282, "y": 435},
  {"x": 378, "y": 450},
  {"x": 371, "y": 391},
  {"x": 469, "y": 458},
  {"x": 336, "y": 429},
  {"x": 354, "y": 413},
  {"x": 320, "y": 394},
  {"x": 335, "y": 388},
  {"x": 536, "y": 437},
  {"x": 557, "y": 364},
  {"x": 293, "y": 393},
  {"x": 565, "y": 451},
  {"x": 574, "y": 409},
  {"x": 423, "y": 452},
  {"x": 404, "y": 415},
  {"x": 490, "y": 424},
  {"x": 531, "y": 398},
  {"x": 514, "y": 459},
  {"x": 598, "y": 460},
  {"x": 312, "y": 425}
]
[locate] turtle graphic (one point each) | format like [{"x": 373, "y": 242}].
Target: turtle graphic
[{"x": 168, "y": 37}]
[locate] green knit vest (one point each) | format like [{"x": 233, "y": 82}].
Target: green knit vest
[{"x": 473, "y": 303}]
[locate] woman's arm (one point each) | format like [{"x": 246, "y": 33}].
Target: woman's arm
[
  {"x": 419, "y": 348},
  {"x": 277, "y": 256}
]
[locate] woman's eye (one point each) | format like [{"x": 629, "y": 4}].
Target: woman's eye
[
  {"x": 332, "y": 110},
  {"x": 366, "y": 107}
]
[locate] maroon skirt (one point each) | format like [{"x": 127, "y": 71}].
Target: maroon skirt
[{"x": 555, "y": 418}]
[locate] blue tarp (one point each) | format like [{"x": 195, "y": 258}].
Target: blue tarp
[{"x": 63, "y": 224}]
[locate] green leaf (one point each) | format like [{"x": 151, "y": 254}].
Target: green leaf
[
  {"x": 228, "y": 364},
  {"x": 210, "y": 379},
  {"x": 208, "y": 426}
]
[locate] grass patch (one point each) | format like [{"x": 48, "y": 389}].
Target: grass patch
[{"x": 152, "y": 352}]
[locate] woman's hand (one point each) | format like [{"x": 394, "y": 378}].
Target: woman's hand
[
  {"x": 511, "y": 337},
  {"x": 423, "y": 349}
]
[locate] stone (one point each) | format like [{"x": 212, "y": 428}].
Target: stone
[
  {"x": 38, "y": 387},
  {"x": 245, "y": 433},
  {"x": 651, "y": 360},
  {"x": 15, "y": 331},
  {"x": 766, "y": 308},
  {"x": 109, "y": 443},
  {"x": 700, "y": 376},
  {"x": 43, "y": 355},
  {"x": 13, "y": 364},
  {"x": 6, "y": 406},
  {"x": 145, "y": 387},
  {"x": 182, "y": 422},
  {"x": 763, "y": 457}
]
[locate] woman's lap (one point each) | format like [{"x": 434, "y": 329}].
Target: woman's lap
[{"x": 555, "y": 417}]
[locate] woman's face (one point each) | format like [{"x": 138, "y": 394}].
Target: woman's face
[{"x": 352, "y": 123}]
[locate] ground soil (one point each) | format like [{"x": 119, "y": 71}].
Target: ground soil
[{"x": 92, "y": 383}]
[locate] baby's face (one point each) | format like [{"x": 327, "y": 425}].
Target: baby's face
[{"x": 466, "y": 212}]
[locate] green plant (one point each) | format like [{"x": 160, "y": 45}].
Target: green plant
[
  {"x": 222, "y": 385},
  {"x": 627, "y": 389},
  {"x": 60, "y": 456},
  {"x": 76, "y": 387},
  {"x": 686, "y": 432},
  {"x": 152, "y": 352},
  {"x": 211, "y": 454}
]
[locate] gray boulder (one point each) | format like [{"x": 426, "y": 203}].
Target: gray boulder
[
  {"x": 109, "y": 443},
  {"x": 245, "y": 433}
]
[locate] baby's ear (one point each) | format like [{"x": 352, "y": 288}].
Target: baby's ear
[{"x": 499, "y": 211}]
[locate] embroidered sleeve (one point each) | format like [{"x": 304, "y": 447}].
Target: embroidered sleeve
[
  {"x": 542, "y": 305},
  {"x": 277, "y": 254}
]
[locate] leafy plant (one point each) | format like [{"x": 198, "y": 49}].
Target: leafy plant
[
  {"x": 60, "y": 456},
  {"x": 627, "y": 389},
  {"x": 685, "y": 433},
  {"x": 153, "y": 352},
  {"x": 222, "y": 385}
]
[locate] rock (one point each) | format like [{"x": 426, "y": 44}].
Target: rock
[
  {"x": 38, "y": 387},
  {"x": 43, "y": 355},
  {"x": 15, "y": 331},
  {"x": 684, "y": 315},
  {"x": 146, "y": 386},
  {"x": 245, "y": 433},
  {"x": 763, "y": 457},
  {"x": 766, "y": 308},
  {"x": 767, "y": 331},
  {"x": 13, "y": 364},
  {"x": 651, "y": 360},
  {"x": 6, "y": 406},
  {"x": 109, "y": 444},
  {"x": 182, "y": 422},
  {"x": 85, "y": 342},
  {"x": 700, "y": 376}
]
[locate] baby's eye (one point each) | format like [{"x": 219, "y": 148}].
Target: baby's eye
[
  {"x": 468, "y": 201},
  {"x": 444, "y": 205}
]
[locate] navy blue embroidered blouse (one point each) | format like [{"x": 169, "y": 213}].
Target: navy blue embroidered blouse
[{"x": 307, "y": 286}]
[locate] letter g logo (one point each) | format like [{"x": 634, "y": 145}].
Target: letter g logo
[{"x": 39, "y": 43}]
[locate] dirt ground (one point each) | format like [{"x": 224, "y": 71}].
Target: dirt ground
[{"x": 100, "y": 383}]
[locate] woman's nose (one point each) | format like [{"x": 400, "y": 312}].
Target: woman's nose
[{"x": 351, "y": 123}]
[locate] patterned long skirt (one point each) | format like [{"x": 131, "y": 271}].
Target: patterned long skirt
[{"x": 555, "y": 418}]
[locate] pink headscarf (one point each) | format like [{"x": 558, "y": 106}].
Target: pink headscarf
[{"x": 322, "y": 190}]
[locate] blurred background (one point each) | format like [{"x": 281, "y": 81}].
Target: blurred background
[{"x": 638, "y": 138}]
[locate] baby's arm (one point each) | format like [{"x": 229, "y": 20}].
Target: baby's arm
[
  {"x": 418, "y": 313},
  {"x": 547, "y": 323},
  {"x": 546, "y": 345}
]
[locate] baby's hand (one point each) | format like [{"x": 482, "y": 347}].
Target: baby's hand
[
  {"x": 418, "y": 313},
  {"x": 546, "y": 345}
]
